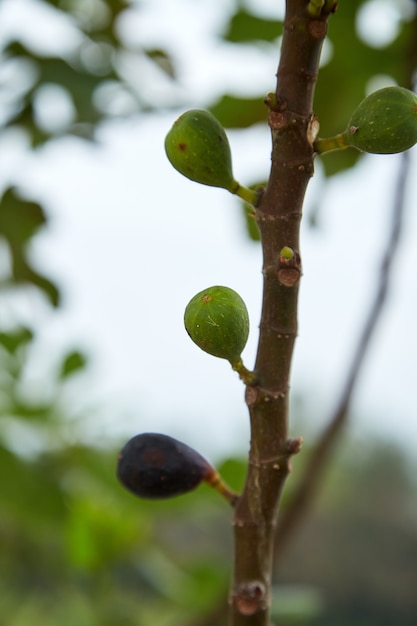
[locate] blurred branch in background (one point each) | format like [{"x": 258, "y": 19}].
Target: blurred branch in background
[{"x": 319, "y": 459}]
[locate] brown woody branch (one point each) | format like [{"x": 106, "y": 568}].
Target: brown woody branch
[{"x": 278, "y": 216}]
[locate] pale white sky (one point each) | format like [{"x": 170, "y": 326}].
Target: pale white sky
[{"x": 131, "y": 241}]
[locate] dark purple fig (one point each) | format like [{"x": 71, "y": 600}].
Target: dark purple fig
[{"x": 157, "y": 466}]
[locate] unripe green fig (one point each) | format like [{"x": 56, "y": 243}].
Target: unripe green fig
[
  {"x": 156, "y": 466},
  {"x": 217, "y": 321},
  {"x": 385, "y": 122},
  {"x": 197, "y": 146}
]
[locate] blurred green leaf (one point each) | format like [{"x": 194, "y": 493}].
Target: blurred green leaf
[
  {"x": 235, "y": 112},
  {"x": 25, "y": 119},
  {"x": 251, "y": 226},
  {"x": 233, "y": 471},
  {"x": 26, "y": 409},
  {"x": 163, "y": 60},
  {"x": 72, "y": 363},
  {"x": 98, "y": 533},
  {"x": 92, "y": 64},
  {"x": 248, "y": 214},
  {"x": 338, "y": 161},
  {"x": 247, "y": 27},
  {"x": 31, "y": 495},
  {"x": 23, "y": 272},
  {"x": 79, "y": 83},
  {"x": 19, "y": 218},
  {"x": 13, "y": 340}
]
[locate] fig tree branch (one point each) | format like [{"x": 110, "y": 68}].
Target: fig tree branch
[{"x": 278, "y": 216}]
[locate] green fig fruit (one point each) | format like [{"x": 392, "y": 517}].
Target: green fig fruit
[
  {"x": 197, "y": 146},
  {"x": 217, "y": 321},
  {"x": 385, "y": 122}
]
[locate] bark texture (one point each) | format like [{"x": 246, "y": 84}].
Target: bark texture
[{"x": 278, "y": 215}]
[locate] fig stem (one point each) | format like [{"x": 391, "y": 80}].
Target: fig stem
[
  {"x": 327, "y": 144},
  {"x": 248, "y": 377},
  {"x": 248, "y": 195},
  {"x": 215, "y": 480}
]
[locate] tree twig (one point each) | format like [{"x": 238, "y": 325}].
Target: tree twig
[{"x": 278, "y": 216}]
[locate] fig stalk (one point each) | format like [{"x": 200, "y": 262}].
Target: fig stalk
[{"x": 328, "y": 144}]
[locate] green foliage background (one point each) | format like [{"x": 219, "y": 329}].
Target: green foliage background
[{"x": 76, "y": 548}]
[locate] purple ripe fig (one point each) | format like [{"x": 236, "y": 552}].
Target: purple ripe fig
[{"x": 156, "y": 466}]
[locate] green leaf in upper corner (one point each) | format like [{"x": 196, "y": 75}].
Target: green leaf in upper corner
[
  {"x": 235, "y": 112},
  {"x": 72, "y": 363},
  {"x": 245, "y": 26}
]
